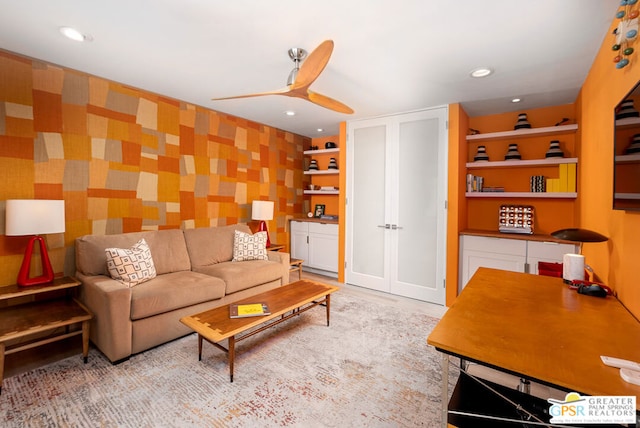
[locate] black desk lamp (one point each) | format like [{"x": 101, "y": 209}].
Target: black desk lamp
[{"x": 579, "y": 235}]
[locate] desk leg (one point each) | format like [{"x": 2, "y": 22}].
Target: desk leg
[
  {"x": 232, "y": 354},
  {"x": 199, "y": 347},
  {"x": 328, "y": 298},
  {"x": 445, "y": 389}
]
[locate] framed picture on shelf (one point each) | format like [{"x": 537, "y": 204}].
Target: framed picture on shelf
[{"x": 319, "y": 211}]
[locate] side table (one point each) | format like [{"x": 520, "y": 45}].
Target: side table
[
  {"x": 275, "y": 247},
  {"x": 296, "y": 265},
  {"x": 26, "y": 319}
]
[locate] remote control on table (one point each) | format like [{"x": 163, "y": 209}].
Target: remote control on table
[
  {"x": 631, "y": 376},
  {"x": 620, "y": 363}
]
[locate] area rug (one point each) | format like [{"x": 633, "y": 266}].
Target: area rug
[{"x": 370, "y": 368}]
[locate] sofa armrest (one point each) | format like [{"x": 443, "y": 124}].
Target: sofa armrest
[
  {"x": 110, "y": 303},
  {"x": 283, "y": 259}
]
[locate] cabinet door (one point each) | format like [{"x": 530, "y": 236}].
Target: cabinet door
[
  {"x": 323, "y": 246},
  {"x": 546, "y": 252},
  {"x": 396, "y": 204},
  {"x": 497, "y": 253},
  {"x": 299, "y": 241}
]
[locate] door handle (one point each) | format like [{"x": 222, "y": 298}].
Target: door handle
[
  {"x": 395, "y": 227},
  {"x": 385, "y": 226}
]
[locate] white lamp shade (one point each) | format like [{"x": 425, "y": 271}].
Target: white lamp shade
[
  {"x": 34, "y": 217},
  {"x": 262, "y": 210}
]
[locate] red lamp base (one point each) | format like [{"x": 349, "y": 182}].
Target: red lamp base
[
  {"x": 263, "y": 228},
  {"x": 47, "y": 270}
]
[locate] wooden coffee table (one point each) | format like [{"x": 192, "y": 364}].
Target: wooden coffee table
[{"x": 284, "y": 302}]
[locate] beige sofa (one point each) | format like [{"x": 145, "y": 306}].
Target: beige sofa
[{"x": 194, "y": 273}]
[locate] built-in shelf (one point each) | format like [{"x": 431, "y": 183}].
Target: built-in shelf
[
  {"x": 521, "y": 163},
  {"x": 323, "y": 172},
  {"x": 629, "y": 122},
  {"x": 626, "y": 196},
  {"x": 525, "y": 133},
  {"x": 321, "y": 192},
  {"x": 537, "y": 195},
  {"x": 633, "y": 158},
  {"x": 321, "y": 151}
]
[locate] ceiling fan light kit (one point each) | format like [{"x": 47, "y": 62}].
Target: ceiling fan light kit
[{"x": 302, "y": 76}]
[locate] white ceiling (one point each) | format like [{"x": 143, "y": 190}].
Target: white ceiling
[{"x": 390, "y": 56}]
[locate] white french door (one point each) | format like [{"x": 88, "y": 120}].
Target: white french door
[{"x": 396, "y": 196}]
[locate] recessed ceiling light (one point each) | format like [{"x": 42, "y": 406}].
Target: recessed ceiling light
[
  {"x": 320, "y": 129},
  {"x": 290, "y": 113},
  {"x": 481, "y": 72},
  {"x": 516, "y": 100},
  {"x": 74, "y": 34}
]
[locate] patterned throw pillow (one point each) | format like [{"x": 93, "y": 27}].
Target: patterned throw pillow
[
  {"x": 133, "y": 266},
  {"x": 249, "y": 247}
]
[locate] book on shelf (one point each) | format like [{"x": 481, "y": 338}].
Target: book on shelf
[{"x": 248, "y": 310}]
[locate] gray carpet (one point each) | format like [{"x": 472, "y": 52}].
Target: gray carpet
[{"x": 370, "y": 368}]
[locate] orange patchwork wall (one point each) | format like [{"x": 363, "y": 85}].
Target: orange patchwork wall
[{"x": 128, "y": 160}]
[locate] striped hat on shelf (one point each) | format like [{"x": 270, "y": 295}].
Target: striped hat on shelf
[
  {"x": 513, "y": 153},
  {"x": 634, "y": 147},
  {"x": 554, "y": 150},
  {"x": 481, "y": 155},
  {"x": 627, "y": 110},
  {"x": 522, "y": 122}
]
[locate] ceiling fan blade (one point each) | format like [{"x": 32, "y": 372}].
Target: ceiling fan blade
[
  {"x": 283, "y": 91},
  {"x": 313, "y": 65},
  {"x": 330, "y": 103}
]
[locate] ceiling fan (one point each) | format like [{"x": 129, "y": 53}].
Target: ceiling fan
[{"x": 301, "y": 77}]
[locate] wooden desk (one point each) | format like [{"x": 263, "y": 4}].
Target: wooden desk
[{"x": 537, "y": 328}]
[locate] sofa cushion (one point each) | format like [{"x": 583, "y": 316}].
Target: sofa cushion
[
  {"x": 211, "y": 245},
  {"x": 131, "y": 266},
  {"x": 168, "y": 250},
  {"x": 249, "y": 247},
  {"x": 173, "y": 291},
  {"x": 240, "y": 276}
]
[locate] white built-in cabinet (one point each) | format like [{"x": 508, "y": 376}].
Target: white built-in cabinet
[
  {"x": 317, "y": 244},
  {"x": 517, "y": 255}
]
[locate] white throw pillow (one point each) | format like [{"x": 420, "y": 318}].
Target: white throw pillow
[
  {"x": 131, "y": 266},
  {"x": 249, "y": 247}
]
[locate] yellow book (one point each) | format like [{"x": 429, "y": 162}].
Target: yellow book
[
  {"x": 562, "y": 180},
  {"x": 571, "y": 177},
  {"x": 248, "y": 310},
  {"x": 553, "y": 184}
]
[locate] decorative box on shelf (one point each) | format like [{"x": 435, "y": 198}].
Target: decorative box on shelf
[{"x": 516, "y": 219}]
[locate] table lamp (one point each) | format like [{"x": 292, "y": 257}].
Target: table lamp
[
  {"x": 34, "y": 217},
  {"x": 579, "y": 235},
  {"x": 262, "y": 210}
]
